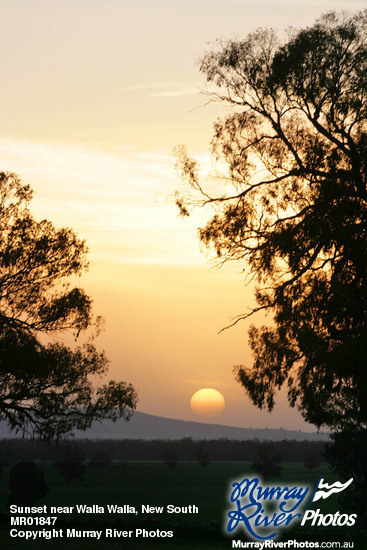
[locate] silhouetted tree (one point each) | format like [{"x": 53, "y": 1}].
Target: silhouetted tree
[
  {"x": 312, "y": 461},
  {"x": 268, "y": 462},
  {"x": 348, "y": 457},
  {"x": 27, "y": 485},
  {"x": 45, "y": 386},
  {"x": 69, "y": 463},
  {"x": 293, "y": 207},
  {"x": 101, "y": 457},
  {"x": 202, "y": 456},
  {"x": 70, "y": 471},
  {"x": 170, "y": 457}
]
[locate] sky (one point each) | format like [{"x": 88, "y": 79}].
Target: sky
[{"x": 95, "y": 94}]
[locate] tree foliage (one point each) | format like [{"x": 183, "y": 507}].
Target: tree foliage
[
  {"x": 348, "y": 457},
  {"x": 293, "y": 208},
  {"x": 69, "y": 463},
  {"x": 46, "y": 387},
  {"x": 267, "y": 464}
]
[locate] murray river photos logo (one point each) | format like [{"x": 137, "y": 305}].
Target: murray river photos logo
[{"x": 263, "y": 511}]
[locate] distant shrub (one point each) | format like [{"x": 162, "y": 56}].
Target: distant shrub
[
  {"x": 170, "y": 458},
  {"x": 69, "y": 463},
  {"x": 312, "y": 461},
  {"x": 267, "y": 464},
  {"x": 202, "y": 456}
]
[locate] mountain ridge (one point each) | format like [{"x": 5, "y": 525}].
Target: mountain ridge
[{"x": 147, "y": 426}]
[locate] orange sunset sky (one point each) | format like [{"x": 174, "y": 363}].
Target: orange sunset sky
[{"x": 94, "y": 96}]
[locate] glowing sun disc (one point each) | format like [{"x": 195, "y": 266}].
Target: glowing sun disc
[{"x": 207, "y": 403}]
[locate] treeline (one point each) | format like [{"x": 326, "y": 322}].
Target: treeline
[{"x": 186, "y": 449}]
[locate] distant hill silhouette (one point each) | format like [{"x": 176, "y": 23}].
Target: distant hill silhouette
[{"x": 147, "y": 426}]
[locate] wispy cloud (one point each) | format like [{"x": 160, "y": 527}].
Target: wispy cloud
[
  {"x": 176, "y": 93},
  {"x": 150, "y": 85},
  {"x": 119, "y": 202},
  {"x": 166, "y": 89}
]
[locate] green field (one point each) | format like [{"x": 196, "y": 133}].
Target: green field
[{"x": 152, "y": 483}]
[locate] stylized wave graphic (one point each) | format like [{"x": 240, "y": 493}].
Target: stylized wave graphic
[{"x": 324, "y": 490}]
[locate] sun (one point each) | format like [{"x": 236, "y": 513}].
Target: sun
[{"x": 207, "y": 403}]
